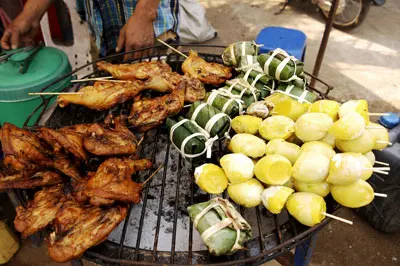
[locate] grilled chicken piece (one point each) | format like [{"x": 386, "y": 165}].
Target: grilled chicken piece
[
  {"x": 113, "y": 180},
  {"x": 23, "y": 148},
  {"x": 103, "y": 95},
  {"x": 149, "y": 113},
  {"x": 78, "y": 193},
  {"x": 25, "y": 180},
  {"x": 101, "y": 141},
  {"x": 80, "y": 227},
  {"x": 142, "y": 70},
  {"x": 195, "y": 90},
  {"x": 209, "y": 73},
  {"x": 78, "y": 128},
  {"x": 12, "y": 162},
  {"x": 163, "y": 82},
  {"x": 40, "y": 211},
  {"x": 66, "y": 166}
]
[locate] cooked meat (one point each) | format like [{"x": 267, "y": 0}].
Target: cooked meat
[
  {"x": 24, "y": 180},
  {"x": 99, "y": 201},
  {"x": 23, "y": 148},
  {"x": 209, "y": 73},
  {"x": 66, "y": 166},
  {"x": 101, "y": 141},
  {"x": 103, "y": 95},
  {"x": 164, "y": 82},
  {"x": 40, "y": 211},
  {"x": 78, "y": 189},
  {"x": 12, "y": 162},
  {"x": 49, "y": 138},
  {"x": 80, "y": 227},
  {"x": 149, "y": 113},
  {"x": 113, "y": 180},
  {"x": 78, "y": 128},
  {"x": 70, "y": 140},
  {"x": 195, "y": 90},
  {"x": 142, "y": 70}
]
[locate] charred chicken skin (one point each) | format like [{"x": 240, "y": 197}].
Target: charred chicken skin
[
  {"x": 40, "y": 211},
  {"x": 209, "y": 73},
  {"x": 66, "y": 166},
  {"x": 195, "y": 90},
  {"x": 142, "y": 70},
  {"x": 25, "y": 180}
]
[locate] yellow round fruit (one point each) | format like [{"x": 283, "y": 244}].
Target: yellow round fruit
[
  {"x": 273, "y": 169},
  {"x": 371, "y": 157},
  {"x": 276, "y": 127},
  {"x": 312, "y": 126},
  {"x": 381, "y": 136},
  {"x": 354, "y": 195},
  {"x": 279, "y": 146},
  {"x": 320, "y": 188},
  {"x": 246, "y": 124},
  {"x": 344, "y": 169},
  {"x": 328, "y": 107},
  {"x": 275, "y": 98},
  {"x": 348, "y": 127},
  {"x": 329, "y": 139},
  {"x": 238, "y": 167},
  {"x": 358, "y": 106},
  {"x": 319, "y": 147},
  {"x": 211, "y": 178},
  {"x": 307, "y": 208},
  {"x": 362, "y": 144},
  {"x": 311, "y": 167},
  {"x": 248, "y": 144},
  {"x": 274, "y": 198},
  {"x": 247, "y": 194},
  {"x": 289, "y": 108},
  {"x": 366, "y": 165}
]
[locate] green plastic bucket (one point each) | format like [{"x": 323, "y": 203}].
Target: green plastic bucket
[{"x": 47, "y": 65}]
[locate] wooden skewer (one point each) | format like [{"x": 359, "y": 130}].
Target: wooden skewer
[
  {"x": 172, "y": 48},
  {"x": 54, "y": 93},
  {"x": 373, "y": 127},
  {"x": 92, "y": 79},
  {"x": 381, "y": 163},
  {"x": 381, "y": 172},
  {"x": 378, "y": 114},
  {"x": 140, "y": 141},
  {"x": 153, "y": 174},
  {"x": 377, "y": 168},
  {"x": 337, "y": 218},
  {"x": 383, "y": 142},
  {"x": 380, "y": 195}
]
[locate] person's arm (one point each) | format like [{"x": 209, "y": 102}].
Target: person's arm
[
  {"x": 138, "y": 32},
  {"x": 26, "y": 25}
]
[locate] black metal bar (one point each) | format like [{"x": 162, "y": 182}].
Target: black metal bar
[
  {"x": 278, "y": 228},
  {"x": 178, "y": 183},
  {"x": 260, "y": 231},
  {"x": 190, "y": 251},
  {"x": 324, "y": 41}
]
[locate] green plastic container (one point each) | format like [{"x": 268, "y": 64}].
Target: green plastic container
[{"x": 46, "y": 65}]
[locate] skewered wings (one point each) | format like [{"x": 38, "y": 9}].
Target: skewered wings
[
  {"x": 209, "y": 73},
  {"x": 25, "y": 180}
]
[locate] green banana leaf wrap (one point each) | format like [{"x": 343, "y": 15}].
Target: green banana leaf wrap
[
  {"x": 259, "y": 80},
  {"x": 230, "y": 106},
  {"x": 195, "y": 146},
  {"x": 222, "y": 228},
  {"x": 232, "y": 54},
  {"x": 209, "y": 118},
  {"x": 249, "y": 62},
  {"x": 299, "y": 93},
  {"x": 290, "y": 69},
  {"x": 248, "y": 96}
]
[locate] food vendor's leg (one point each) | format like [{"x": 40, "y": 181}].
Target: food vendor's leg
[{"x": 303, "y": 253}]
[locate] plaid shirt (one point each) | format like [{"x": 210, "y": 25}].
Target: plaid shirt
[{"x": 107, "y": 17}]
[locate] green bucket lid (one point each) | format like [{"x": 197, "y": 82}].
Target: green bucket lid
[{"x": 46, "y": 65}]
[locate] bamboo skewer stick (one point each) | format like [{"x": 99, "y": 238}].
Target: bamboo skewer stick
[
  {"x": 383, "y": 142},
  {"x": 172, "y": 48},
  {"x": 91, "y": 79},
  {"x": 54, "y": 93},
  {"x": 378, "y": 114},
  {"x": 381, "y": 172},
  {"x": 337, "y": 218},
  {"x": 381, "y": 163},
  {"x": 108, "y": 80},
  {"x": 382, "y": 195},
  {"x": 140, "y": 141},
  {"x": 373, "y": 127},
  {"x": 152, "y": 175},
  {"x": 377, "y": 168}
]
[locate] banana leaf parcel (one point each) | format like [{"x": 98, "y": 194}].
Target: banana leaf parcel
[
  {"x": 259, "y": 80},
  {"x": 240, "y": 89},
  {"x": 211, "y": 119},
  {"x": 222, "y": 228},
  {"x": 221, "y": 100},
  {"x": 279, "y": 65},
  {"x": 232, "y": 54},
  {"x": 297, "y": 91}
]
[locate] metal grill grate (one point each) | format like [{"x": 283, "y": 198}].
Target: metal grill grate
[{"x": 158, "y": 229}]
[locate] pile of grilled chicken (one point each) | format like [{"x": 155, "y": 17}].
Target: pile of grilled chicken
[
  {"x": 82, "y": 208},
  {"x": 153, "y": 75}
]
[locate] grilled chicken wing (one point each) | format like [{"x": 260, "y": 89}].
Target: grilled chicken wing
[
  {"x": 78, "y": 193},
  {"x": 195, "y": 90},
  {"x": 25, "y": 180},
  {"x": 163, "y": 82},
  {"x": 149, "y": 113},
  {"x": 209, "y": 73},
  {"x": 113, "y": 180},
  {"x": 103, "y": 95},
  {"x": 78, "y": 128},
  {"x": 142, "y": 70},
  {"x": 80, "y": 227},
  {"x": 40, "y": 211},
  {"x": 66, "y": 166}
]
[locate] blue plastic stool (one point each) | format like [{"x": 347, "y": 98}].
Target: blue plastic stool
[{"x": 290, "y": 40}]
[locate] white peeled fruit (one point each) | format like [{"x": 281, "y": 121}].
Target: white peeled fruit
[
  {"x": 348, "y": 127},
  {"x": 371, "y": 157},
  {"x": 320, "y": 188},
  {"x": 280, "y": 146},
  {"x": 365, "y": 165},
  {"x": 248, "y": 144},
  {"x": 273, "y": 169},
  {"x": 289, "y": 108},
  {"x": 247, "y": 194},
  {"x": 237, "y": 167},
  {"x": 211, "y": 178},
  {"x": 311, "y": 167},
  {"x": 354, "y": 195},
  {"x": 276, "y": 127},
  {"x": 307, "y": 208},
  {"x": 381, "y": 134},
  {"x": 358, "y": 106},
  {"x": 362, "y": 144},
  {"x": 320, "y": 147},
  {"x": 328, "y": 107},
  {"x": 246, "y": 124},
  {"x": 344, "y": 169},
  {"x": 330, "y": 140},
  {"x": 312, "y": 126},
  {"x": 274, "y": 198}
]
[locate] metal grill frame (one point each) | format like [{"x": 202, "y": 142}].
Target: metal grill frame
[{"x": 283, "y": 237}]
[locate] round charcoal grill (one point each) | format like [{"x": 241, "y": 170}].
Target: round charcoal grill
[{"x": 158, "y": 229}]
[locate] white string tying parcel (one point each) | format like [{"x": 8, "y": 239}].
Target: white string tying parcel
[
  {"x": 232, "y": 50},
  {"x": 281, "y": 65},
  {"x": 243, "y": 46},
  {"x": 246, "y": 86},
  {"x": 223, "y": 92}
]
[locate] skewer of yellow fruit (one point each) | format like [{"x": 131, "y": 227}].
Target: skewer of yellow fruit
[
  {"x": 312, "y": 126},
  {"x": 274, "y": 198}
]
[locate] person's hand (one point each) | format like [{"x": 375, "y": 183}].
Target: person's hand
[{"x": 137, "y": 33}]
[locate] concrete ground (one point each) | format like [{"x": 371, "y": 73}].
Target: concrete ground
[{"x": 363, "y": 63}]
